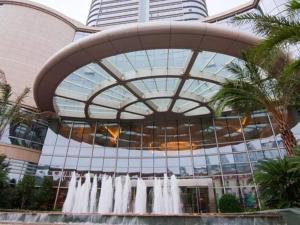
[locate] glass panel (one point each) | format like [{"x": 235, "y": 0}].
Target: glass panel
[
  {"x": 162, "y": 104},
  {"x": 199, "y": 87},
  {"x": 157, "y": 86},
  {"x": 67, "y": 107},
  {"x": 102, "y": 112},
  {"x": 178, "y": 58},
  {"x": 182, "y": 105},
  {"x": 121, "y": 63},
  {"x": 213, "y": 165},
  {"x": 217, "y": 63},
  {"x": 158, "y": 58},
  {"x": 198, "y": 111},
  {"x": 83, "y": 81},
  {"x": 201, "y": 62},
  {"x": 139, "y": 60},
  {"x": 125, "y": 115},
  {"x": 160, "y": 166},
  {"x": 114, "y": 97},
  {"x": 140, "y": 108}
]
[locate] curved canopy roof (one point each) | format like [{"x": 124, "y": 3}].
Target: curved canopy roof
[{"x": 141, "y": 70}]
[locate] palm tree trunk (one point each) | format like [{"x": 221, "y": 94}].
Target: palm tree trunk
[
  {"x": 288, "y": 138},
  {"x": 23, "y": 202}
]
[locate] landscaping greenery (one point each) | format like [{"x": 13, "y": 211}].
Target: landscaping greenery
[
  {"x": 25, "y": 189},
  {"x": 3, "y": 182},
  {"x": 269, "y": 79},
  {"x": 228, "y": 203},
  {"x": 279, "y": 183},
  {"x": 24, "y": 194},
  {"x": 255, "y": 89},
  {"x": 45, "y": 194},
  {"x": 279, "y": 31},
  {"x": 11, "y": 109}
]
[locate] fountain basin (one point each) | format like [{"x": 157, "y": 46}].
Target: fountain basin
[{"x": 145, "y": 219}]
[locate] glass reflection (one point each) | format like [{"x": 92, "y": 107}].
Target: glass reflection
[{"x": 224, "y": 150}]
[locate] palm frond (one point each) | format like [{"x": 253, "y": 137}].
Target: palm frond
[
  {"x": 264, "y": 24},
  {"x": 236, "y": 94},
  {"x": 11, "y": 112},
  {"x": 279, "y": 38},
  {"x": 293, "y": 7},
  {"x": 278, "y": 185}
]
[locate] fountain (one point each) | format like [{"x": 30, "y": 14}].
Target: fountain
[
  {"x": 106, "y": 196},
  {"x": 69, "y": 202},
  {"x": 83, "y": 198},
  {"x": 93, "y": 196},
  {"x": 175, "y": 193},
  {"x": 167, "y": 207},
  {"x": 85, "y": 194},
  {"x": 126, "y": 195},
  {"x": 80, "y": 206},
  {"x": 118, "y": 208},
  {"x": 31, "y": 218},
  {"x": 141, "y": 197},
  {"x": 77, "y": 202},
  {"x": 158, "y": 197}
]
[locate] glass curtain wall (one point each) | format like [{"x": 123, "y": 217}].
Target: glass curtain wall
[{"x": 224, "y": 149}]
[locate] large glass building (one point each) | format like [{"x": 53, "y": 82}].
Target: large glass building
[
  {"x": 133, "y": 99},
  {"x": 108, "y": 13}
]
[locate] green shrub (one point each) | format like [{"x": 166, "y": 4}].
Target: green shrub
[
  {"x": 25, "y": 189},
  {"x": 279, "y": 182},
  {"x": 228, "y": 203},
  {"x": 45, "y": 194}
]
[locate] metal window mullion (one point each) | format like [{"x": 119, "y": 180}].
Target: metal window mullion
[
  {"x": 249, "y": 161},
  {"x": 177, "y": 137},
  {"x": 224, "y": 66},
  {"x": 166, "y": 155},
  {"x": 117, "y": 156},
  {"x": 79, "y": 147},
  {"x": 191, "y": 149},
  {"x": 130, "y": 63},
  {"x": 208, "y": 62},
  {"x": 168, "y": 58},
  {"x": 55, "y": 144},
  {"x": 141, "y": 149},
  {"x": 257, "y": 131},
  {"x": 219, "y": 156},
  {"x": 103, "y": 160},
  {"x": 273, "y": 131},
  {"x": 62, "y": 169},
  {"x": 128, "y": 156},
  {"x": 93, "y": 144}
]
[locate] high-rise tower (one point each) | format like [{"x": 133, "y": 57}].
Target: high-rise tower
[{"x": 106, "y": 13}]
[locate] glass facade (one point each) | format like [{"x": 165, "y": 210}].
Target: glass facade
[
  {"x": 108, "y": 13},
  {"x": 18, "y": 168},
  {"x": 29, "y": 135},
  {"x": 224, "y": 150}
]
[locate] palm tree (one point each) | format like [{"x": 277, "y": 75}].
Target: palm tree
[
  {"x": 278, "y": 183},
  {"x": 11, "y": 111},
  {"x": 4, "y": 182},
  {"x": 295, "y": 160},
  {"x": 255, "y": 89},
  {"x": 3, "y": 172},
  {"x": 281, "y": 31}
]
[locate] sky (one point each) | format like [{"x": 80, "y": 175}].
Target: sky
[{"x": 78, "y": 9}]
